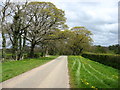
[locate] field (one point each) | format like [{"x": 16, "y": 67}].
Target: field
[
  {"x": 85, "y": 73},
  {"x": 14, "y": 68}
]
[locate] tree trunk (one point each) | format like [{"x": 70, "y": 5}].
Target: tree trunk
[
  {"x": 46, "y": 51},
  {"x": 24, "y": 42},
  {"x": 43, "y": 51},
  {"x": 3, "y": 37},
  {"x": 81, "y": 50},
  {"x": 3, "y": 46},
  {"x": 20, "y": 48},
  {"x": 31, "y": 55},
  {"x": 15, "y": 48}
]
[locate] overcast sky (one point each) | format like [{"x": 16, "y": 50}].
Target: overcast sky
[{"x": 98, "y": 16}]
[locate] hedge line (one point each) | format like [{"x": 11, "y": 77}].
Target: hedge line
[
  {"x": 36, "y": 55},
  {"x": 110, "y": 60}
]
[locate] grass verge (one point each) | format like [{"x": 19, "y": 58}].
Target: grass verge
[
  {"x": 85, "y": 73},
  {"x": 14, "y": 68}
]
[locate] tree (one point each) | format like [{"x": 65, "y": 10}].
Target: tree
[
  {"x": 100, "y": 49},
  {"x": 4, "y": 13},
  {"x": 46, "y": 18},
  {"x": 72, "y": 42},
  {"x": 17, "y": 29},
  {"x": 115, "y": 48},
  {"x": 80, "y": 40},
  {"x": 57, "y": 42}
]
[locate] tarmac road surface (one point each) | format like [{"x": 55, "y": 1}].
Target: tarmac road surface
[{"x": 53, "y": 74}]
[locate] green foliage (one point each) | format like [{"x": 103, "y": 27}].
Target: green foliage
[
  {"x": 85, "y": 73},
  {"x": 100, "y": 49},
  {"x": 9, "y": 55},
  {"x": 36, "y": 55},
  {"x": 14, "y": 68},
  {"x": 47, "y": 19},
  {"x": 107, "y": 59},
  {"x": 115, "y": 48},
  {"x": 58, "y": 45},
  {"x": 80, "y": 40},
  {"x": 70, "y": 42}
]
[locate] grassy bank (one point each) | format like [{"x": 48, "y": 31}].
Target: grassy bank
[
  {"x": 85, "y": 73},
  {"x": 14, "y": 68}
]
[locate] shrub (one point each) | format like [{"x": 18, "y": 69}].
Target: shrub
[
  {"x": 110, "y": 60},
  {"x": 36, "y": 55},
  {"x": 8, "y": 56}
]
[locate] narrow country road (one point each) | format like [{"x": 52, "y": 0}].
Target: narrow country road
[{"x": 54, "y": 74}]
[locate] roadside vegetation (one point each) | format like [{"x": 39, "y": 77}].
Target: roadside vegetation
[
  {"x": 112, "y": 60},
  {"x": 32, "y": 30},
  {"x": 85, "y": 73},
  {"x": 14, "y": 68}
]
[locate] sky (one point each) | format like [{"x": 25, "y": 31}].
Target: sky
[{"x": 98, "y": 16}]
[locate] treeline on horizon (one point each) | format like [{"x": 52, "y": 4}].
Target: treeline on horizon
[
  {"x": 39, "y": 28},
  {"x": 98, "y": 49},
  {"x": 111, "y": 49}
]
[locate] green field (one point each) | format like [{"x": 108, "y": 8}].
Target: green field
[
  {"x": 14, "y": 68},
  {"x": 85, "y": 73}
]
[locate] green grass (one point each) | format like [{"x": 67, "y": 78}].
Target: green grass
[
  {"x": 85, "y": 73},
  {"x": 14, "y": 68}
]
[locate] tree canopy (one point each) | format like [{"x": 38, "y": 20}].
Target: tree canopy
[{"x": 43, "y": 25}]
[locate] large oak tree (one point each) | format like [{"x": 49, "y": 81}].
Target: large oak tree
[{"x": 46, "y": 18}]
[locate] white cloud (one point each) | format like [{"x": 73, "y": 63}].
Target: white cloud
[{"x": 101, "y": 18}]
